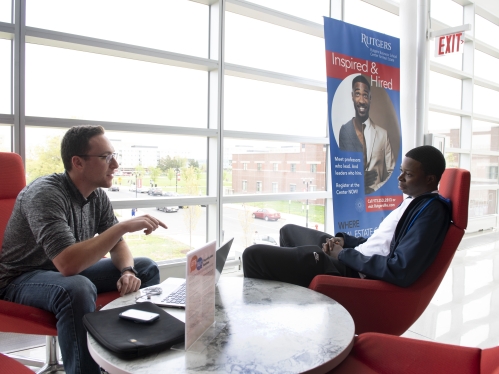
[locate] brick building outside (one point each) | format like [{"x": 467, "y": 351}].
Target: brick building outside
[{"x": 275, "y": 172}]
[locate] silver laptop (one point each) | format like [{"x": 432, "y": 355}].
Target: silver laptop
[{"x": 176, "y": 298}]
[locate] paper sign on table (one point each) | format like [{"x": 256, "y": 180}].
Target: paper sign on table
[{"x": 200, "y": 289}]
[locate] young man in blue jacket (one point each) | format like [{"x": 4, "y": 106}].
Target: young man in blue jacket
[{"x": 399, "y": 251}]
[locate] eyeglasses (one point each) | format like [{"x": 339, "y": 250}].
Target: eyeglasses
[{"x": 108, "y": 157}]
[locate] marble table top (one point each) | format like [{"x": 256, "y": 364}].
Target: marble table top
[{"x": 261, "y": 327}]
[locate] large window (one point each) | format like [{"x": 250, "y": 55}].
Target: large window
[
  {"x": 175, "y": 25},
  {"x": 447, "y": 11},
  {"x": 446, "y": 91},
  {"x": 5, "y": 138},
  {"x": 486, "y": 31},
  {"x": 211, "y": 136},
  {"x": 281, "y": 109},
  {"x": 463, "y": 92},
  {"x": 483, "y": 62},
  {"x": 309, "y": 10},
  {"x": 5, "y": 76},
  {"x": 274, "y": 48},
  {"x": 90, "y": 86},
  {"x": 366, "y": 15},
  {"x": 447, "y": 125},
  {"x": 5, "y": 10},
  {"x": 485, "y": 100}
]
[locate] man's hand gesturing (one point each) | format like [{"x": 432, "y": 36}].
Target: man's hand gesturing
[{"x": 146, "y": 222}]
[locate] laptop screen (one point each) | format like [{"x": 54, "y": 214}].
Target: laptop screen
[{"x": 222, "y": 254}]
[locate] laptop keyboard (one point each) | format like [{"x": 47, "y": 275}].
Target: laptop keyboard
[{"x": 177, "y": 296}]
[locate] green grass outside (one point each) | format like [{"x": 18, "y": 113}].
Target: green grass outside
[
  {"x": 164, "y": 183},
  {"x": 156, "y": 247}
]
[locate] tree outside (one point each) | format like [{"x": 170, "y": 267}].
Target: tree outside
[
  {"x": 169, "y": 162},
  {"x": 44, "y": 160},
  {"x": 170, "y": 174},
  {"x": 154, "y": 174},
  {"x": 192, "y": 214},
  {"x": 246, "y": 220},
  {"x": 193, "y": 163}
]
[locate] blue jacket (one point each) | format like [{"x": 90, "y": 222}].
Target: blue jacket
[{"x": 415, "y": 244}]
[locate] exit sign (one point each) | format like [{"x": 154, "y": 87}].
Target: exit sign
[{"x": 447, "y": 44}]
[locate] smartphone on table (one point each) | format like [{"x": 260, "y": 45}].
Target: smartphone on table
[{"x": 139, "y": 316}]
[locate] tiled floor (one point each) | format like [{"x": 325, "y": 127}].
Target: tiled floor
[{"x": 465, "y": 308}]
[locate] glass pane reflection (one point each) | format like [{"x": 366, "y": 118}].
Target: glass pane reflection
[
  {"x": 484, "y": 169},
  {"x": 482, "y": 202}
]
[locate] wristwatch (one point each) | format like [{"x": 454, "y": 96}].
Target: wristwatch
[{"x": 129, "y": 268}]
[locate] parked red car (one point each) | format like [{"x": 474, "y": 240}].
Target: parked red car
[{"x": 267, "y": 214}]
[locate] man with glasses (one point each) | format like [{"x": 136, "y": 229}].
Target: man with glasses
[{"x": 61, "y": 227}]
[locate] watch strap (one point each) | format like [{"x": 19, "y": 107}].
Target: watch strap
[{"x": 129, "y": 268}]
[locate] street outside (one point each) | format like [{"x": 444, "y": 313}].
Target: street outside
[{"x": 233, "y": 218}]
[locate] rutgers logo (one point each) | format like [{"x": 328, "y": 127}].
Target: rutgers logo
[{"x": 369, "y": 40}]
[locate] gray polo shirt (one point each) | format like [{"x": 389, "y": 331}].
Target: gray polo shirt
[{"x": 49, "y": 215}]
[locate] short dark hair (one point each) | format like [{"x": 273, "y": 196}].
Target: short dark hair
[
  {"x": 431, "y": 159},
  {"x": 360, "y": 78},
  {"x": 76, "y": 142}
]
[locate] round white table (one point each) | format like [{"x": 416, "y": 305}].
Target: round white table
[{"x": 263, "y": 327}]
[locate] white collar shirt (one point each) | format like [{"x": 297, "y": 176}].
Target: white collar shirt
[
  {"x": 379, "y": 242},
  {"x": 369, "y": 135}
]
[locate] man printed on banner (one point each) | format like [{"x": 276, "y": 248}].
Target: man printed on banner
[{"x": 361, "y": 134}]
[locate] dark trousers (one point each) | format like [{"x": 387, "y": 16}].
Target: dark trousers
[
  {"x": 70, "y": 298},
  {"x": 298, "y": 259}
]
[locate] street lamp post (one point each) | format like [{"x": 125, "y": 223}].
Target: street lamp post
[
  {"x": 135, "y": 183},
  {"x": 307, "y": 181},
  {"x": 177, "y": 170},
  {"x": 137, "y": 175}
]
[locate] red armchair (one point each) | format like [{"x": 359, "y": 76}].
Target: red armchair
[
  {"x": 377, "y": 306},
  {"x": 15, "y": 317},
  {"x": 10, "y": 365},
  {"x": 378, "y": 353}
]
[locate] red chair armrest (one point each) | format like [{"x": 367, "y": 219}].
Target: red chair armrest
[
  {"x": 490, "y": 361},
  {"x": 392, "y": 354},
  {"x": 388, "y": 308},
  {"x": 105, "y": 298},
  {"x": 24, "y": 319}
]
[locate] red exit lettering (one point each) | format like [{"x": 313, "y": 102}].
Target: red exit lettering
[{"x": 446, "y": 44}]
